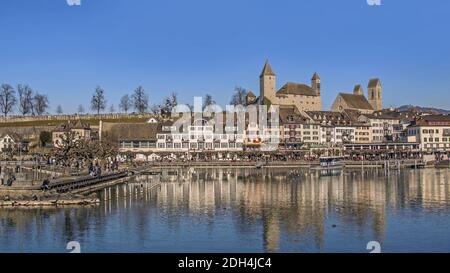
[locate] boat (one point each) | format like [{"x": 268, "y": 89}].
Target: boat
[
  {"x": 259, "y": 165},
  {"x": 330, "y": 163}
]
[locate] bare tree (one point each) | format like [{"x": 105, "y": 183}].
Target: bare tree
[
  {"x": 59, "y": 110},
  {"x": 239, "y": 96},
  {"x": 156, "y": 109},
  {"x": 80, "y": 109},
  {"x": 40, "y": 104},
  {"x": 169, "y": 103},
  {"x": 190, "y": 106},
  {"x": 208, "y": 101},
  {"x": 140, "y": 100},
  {"x": 98, "y": 101},
  {"x": 112, "y": 109},
  {"x": 7, "y": 99},
  {"x": 25, "y": 99},
  {"x": 125, "y": 103}
]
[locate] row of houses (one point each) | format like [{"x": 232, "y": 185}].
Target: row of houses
[{"x": 296, "y": 130}]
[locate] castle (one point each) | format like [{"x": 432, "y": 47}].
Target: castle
[
  {"x": 305, "y": 97},
  {"x": 308, "y": 97}
]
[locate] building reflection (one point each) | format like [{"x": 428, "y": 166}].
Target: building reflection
[
  {"x": 301, "y": 204},
  {"x": 280, "y": 203}
]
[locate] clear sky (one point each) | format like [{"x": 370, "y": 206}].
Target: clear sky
[{"x": 210, "y": 46}]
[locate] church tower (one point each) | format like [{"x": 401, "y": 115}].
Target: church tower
[
  {"x": 315, "y": 83},
  {"x": 358, "y": 90},
  {"x": 375, "y": 94},
  {"x": 267, "y": 83}
]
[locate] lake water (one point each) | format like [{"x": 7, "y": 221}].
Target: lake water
[{"x": 243, "y": 210}]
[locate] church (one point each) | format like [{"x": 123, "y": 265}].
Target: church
[
  {"x": 304, "y": 97},
  {"x": 357, "y": 101}
]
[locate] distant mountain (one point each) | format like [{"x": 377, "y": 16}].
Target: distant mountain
[{"x": 423, "y": 109}]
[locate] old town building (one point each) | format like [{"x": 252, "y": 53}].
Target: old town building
[{"x": 431, "y": 132}]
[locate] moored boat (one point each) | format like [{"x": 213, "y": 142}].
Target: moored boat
[{"x": 329, "y": 163}]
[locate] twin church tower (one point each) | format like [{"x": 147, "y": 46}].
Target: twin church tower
[{"x": 308, "y": 97}]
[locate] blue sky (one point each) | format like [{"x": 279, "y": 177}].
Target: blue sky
[{"x": 210, "y": 46}]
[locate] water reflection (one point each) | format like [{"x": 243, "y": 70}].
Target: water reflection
[{"x": 276, "y": 210}]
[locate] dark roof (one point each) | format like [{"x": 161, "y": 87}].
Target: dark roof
[
  {"x": 329, "y": 117},
  {"x": 296, "y": 89},
  {"x": 374, "y": 82},
  {"x": 70, "y": 125},
  {"x": 267, "y": 70},
  {"x": 132, "y": 131},
  {"x": 356, "y": 101},
  {"x": 291, "y": 114},
  {"x": 381, "y": 115},
  {"x": 15, "y": 136},
  {"x": 315, "y": 76},
  {"x": 432, "y": 120},
  {"x": 436, "y": 118},
  {"x": 352, "y": 114}
]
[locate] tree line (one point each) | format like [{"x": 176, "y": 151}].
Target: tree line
[
  {"x": 27, "y": 100},
  {"x": 33, "y": 103}
]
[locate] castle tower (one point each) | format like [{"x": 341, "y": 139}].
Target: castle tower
[
  {"x": 375, "y": 94},
  {"x": 267, "y": 83},
  {"x": 358, "y": 90},
  {"x": 315, "y": 83}
]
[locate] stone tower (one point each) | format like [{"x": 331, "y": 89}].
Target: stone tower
[
  {"x": 267, "y": 83},
  {"x": 375, "y": 94},
  {"x": 315, "y": 83},
  {"x": 358, "y": 90}
]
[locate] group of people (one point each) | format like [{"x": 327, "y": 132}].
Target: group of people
[
  {"x": 95, "y": 170},
  {"x": 9, "y": 181}
]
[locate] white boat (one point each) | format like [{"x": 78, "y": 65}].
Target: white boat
[{"x": 329, "y": 163}]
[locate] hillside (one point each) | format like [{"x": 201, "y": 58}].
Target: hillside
[{"x": 423, "y": 109}]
